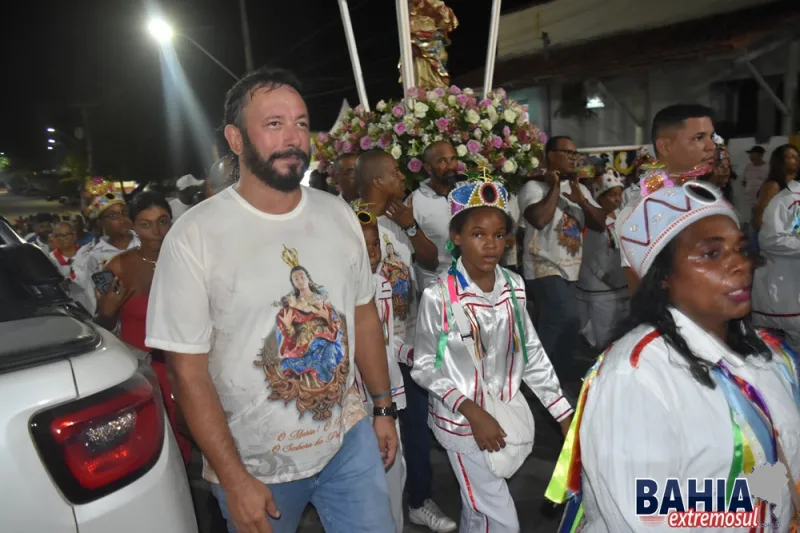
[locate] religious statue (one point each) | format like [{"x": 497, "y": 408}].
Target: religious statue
[{"x": 431, "y": 23}]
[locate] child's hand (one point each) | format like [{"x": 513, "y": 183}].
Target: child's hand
[{"x": 485, "y": 429}]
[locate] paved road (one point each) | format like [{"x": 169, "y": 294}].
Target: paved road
[{"x": 12, "y": 206}]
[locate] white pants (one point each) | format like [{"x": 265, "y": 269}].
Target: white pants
[
  {"x": 396, "y": 479},
  {"x": 599, "y": 319},
  {"x": 486, "y": 503}
]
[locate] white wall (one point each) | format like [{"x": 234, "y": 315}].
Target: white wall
[{"x": 570, "y": 21}]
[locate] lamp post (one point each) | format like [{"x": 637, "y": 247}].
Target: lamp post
[{"x": 164, "y": 33}]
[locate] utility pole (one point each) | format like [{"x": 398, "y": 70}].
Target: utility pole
[
  {"x": 248, "y": 49},
  {"x": 84, "y": 107}
]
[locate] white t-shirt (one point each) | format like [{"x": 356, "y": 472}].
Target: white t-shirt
[
  {"x": 271, "y": 299},
  {"x": 178, "y": 208},
  {"x": 396, "y": 266},
  {"x": 432, "y": 213},
  {"x": 556, "y": 249}
]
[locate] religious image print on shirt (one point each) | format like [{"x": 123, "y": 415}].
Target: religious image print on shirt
[
  {"x": 569, "y": 234},
  {"x": 305, "y": 357},
  {"x": 399, "y": 276}
]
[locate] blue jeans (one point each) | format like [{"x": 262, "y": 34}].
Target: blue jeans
[
  {"x": 559, "y": 322},
  {"x": 416, "y": 441},
  {"x": 350, "y": 493}
]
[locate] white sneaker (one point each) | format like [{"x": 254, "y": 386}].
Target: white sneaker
[{"x": 430, "y": 516}]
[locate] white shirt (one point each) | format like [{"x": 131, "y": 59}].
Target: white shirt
[
  {"x": 383, "y": 301},
  {"x": 647, "y": 417},
  {"x": 396, "y": 265},
  {"x": 601, "y": 277},
  {"x": 776, "y": 285},
  {"x": 271, "y": 300},
  {"x": 432, "y": 213},
  {"x": 178, "y": 208},
  {"x": 753, "y": 178},
  {"x": 65, "y": 268},
  {"x": 91, "y": 259},
  {"x": 556, "y": 249}
]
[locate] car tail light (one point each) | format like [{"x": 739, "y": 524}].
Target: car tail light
[{"x": 98, "y": 444}]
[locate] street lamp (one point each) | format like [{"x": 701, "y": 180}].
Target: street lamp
[
  {"x": 51, "y": 141},
  {"x": 163, "y": 33},
  {"x": 51, "y": 130},
  {"x": 160, "y": 30}
]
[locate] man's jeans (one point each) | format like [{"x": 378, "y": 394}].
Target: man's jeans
[
  {"x": 350, "y": 493},
  {"x": 558, "y": 322},
  {"x": 416, "y": 441}
]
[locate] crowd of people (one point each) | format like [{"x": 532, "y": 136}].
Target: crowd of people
[{"x": 311, "y": 339}]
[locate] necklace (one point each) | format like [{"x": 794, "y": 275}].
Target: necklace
[{"x": 146, "y": 260}]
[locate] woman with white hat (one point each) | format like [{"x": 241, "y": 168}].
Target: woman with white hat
[{"x": 690, "y": 390}]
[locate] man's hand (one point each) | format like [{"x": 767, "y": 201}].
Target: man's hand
[
  {"x": 386, "y": 431},
  {"x": 401, "y": 213},
  {"x": 485, "y": 429},
  {"x": 249, "y": 501},
  {"x": 575, "y": 194},
  {"x": 553, "y": 178},
  {"x": 565, "y": 424}
]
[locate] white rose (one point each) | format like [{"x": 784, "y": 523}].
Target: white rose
[
  {"x": 509, "y": 116},
  {"x": 397, "y": 151},
  {"x": 486, "y": 124},
  {"x": 386, "y": 118},
  {"x": 420, "y": 110},
  {"x": 473, "y": 117},
  {"x": 477, "y": 134},
  {"x": 534, "y": 162},
  {"x": 468, "y": 91},
  {"x": 441, "y": 107},
  {"x": 525, "y": 147},
  {"x": 512, "y": 139},
  {"x": 356, "y": 121},
  {"x": 510, "y": 166},
  {"x": 491, "y": 111},
  {"x": 461, "y": 150},
  {"x": 426, "y": 139},
  {"x": 452, "y": 100},
  {"x": 381, "y": 106},
  {"x": 432, "y": 96},
  {"x": 409, "y": 120}
]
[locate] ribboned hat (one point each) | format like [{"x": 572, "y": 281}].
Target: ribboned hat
[
  {"x": 610, "y": 179},
  {"x": 644, "y": 229}
]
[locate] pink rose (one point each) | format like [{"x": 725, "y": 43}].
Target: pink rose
[
  {"x": 462, "y": 167},
  {"x": 322, "y": 137},
  {"x": 384, "y": 140},
  {"x": 400, "y": 128},
  {"x": 398, "y": 111},
  {"x": 337, "y": 146},
  {"x": 473, "y": 146},
  {"x": 442, "y": 124},
  {"x": 366, "y": 142},
  {"x": 543, "y": 137},
  {"x": 413, "y": 92},
  {"x": 462, "y": 99},
  {"x": 347, "y": 147},
  {"x": 485, "y": 102},
  {"x": 497, "y": 142},
  {"x": 415, "y": 165},
  {"x": 506, "y": 131},
  {"x": 439, "y": 92},
  {"x": 455, "y": 90}
]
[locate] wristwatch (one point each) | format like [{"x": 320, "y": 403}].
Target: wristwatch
[
  {"x": 412, "y": 229},
  {"x": 385, "y": 411}
]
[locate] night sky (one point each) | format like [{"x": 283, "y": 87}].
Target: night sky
[{"x": 59, "y": 53}]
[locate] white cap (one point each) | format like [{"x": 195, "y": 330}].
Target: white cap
[
  {"x": 187, "y": 181},
  {"x": 608, "y": 180}
]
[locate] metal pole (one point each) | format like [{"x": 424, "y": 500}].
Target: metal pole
[
  {"x": 212, "y": 58},
  {"x": 353, "y": 49},
  {"x": 248, "y": 49},
  {"x": 491, "y": 51},
  {"x": 406, "y": 54},
  {"x": 790, "y": 88},
  {"x": 766, "y": 88},
  {"x": 89, "y": 150}
]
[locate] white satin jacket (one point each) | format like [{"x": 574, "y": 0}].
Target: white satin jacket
[{"x": 503, "y": 368}]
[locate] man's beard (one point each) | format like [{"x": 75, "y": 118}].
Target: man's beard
[
  {"x": 264, "y": 169},
  {"x": 448, "y": 177}
]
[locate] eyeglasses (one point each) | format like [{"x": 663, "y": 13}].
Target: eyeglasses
[
  {"x": 114, "y": 216},
  {"x": 572, "y": 154}
]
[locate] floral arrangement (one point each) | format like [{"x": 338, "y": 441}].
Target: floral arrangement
[{"x": 489, "y": 132}]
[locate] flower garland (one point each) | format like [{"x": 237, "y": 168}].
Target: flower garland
[{"x": 493, "y": 131}]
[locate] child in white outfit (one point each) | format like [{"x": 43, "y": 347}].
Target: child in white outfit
[
  {"x": 396, "y": 475},
  {"x": 602, "y": 288},
  {"x": 478, "y": 303}
]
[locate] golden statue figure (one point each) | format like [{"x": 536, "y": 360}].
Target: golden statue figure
[{"x": 431, "y": 23}]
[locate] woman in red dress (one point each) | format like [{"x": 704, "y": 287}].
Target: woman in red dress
[{"x": 125, "y": 304}]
